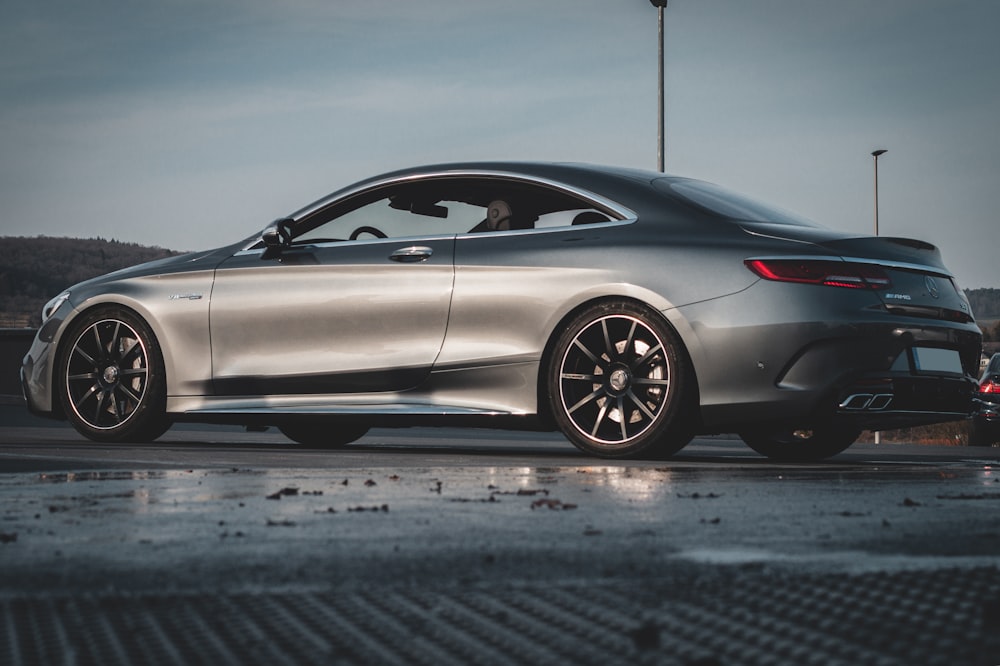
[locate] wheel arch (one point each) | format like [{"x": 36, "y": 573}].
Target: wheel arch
[
  {"x": 135, "y": 308},
  {"x": 138, "y": 412},
  {"x": 544, "y": 411}
]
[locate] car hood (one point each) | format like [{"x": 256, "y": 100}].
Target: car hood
[{"x": 192, "y": 261}]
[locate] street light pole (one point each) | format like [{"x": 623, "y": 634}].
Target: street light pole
[
  {"x": 875, "y": 154},
  {"x": 660, "y": 139}
]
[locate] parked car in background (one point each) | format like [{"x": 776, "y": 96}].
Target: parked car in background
[
  {"x": 628, "y": 309},
  {"x": 986, "y": 421}
]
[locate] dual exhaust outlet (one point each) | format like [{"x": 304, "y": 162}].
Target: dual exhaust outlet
[{"x": 866, "y": 402}]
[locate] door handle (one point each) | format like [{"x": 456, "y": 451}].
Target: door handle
[{"x": 412, "y": 254}]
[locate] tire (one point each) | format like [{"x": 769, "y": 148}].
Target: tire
[
  {"x": 620, "y": 384},
  {"x": 788, "y": 444},
  {"x": 111, "y": 379},
  {"x": 327, "y": 435},
  {"x": 980, "y": 435}
]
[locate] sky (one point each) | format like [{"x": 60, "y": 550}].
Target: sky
[{"x": 190, "y": 124}]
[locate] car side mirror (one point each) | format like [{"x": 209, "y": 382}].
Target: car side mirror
[{"x": 277, "y": 237}]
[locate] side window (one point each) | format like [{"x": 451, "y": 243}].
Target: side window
[
  {"x": 390, "y": 217},
  {"x": 570, "y": 217},
  {"x": 394, "y": 212},
  {"x": 446, "y": 206}
]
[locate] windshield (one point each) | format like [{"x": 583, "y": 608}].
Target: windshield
[{"x": 729, "y": 204}]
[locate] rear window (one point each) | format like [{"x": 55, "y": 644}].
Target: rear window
[{"x": 729, "y": 204}]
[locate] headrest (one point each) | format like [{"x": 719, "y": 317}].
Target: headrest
[
  {"x": 590, "y": 217},
  {"x": 498, "y": 215}
]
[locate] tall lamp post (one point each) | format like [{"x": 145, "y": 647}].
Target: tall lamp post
[
  {"x": 875, "y": 155},
  {"x": 660, "y": 146}
]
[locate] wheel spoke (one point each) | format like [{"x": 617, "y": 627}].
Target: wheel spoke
[
  {"x": 593, "y": 379},
  {"x": 89, "y": 392},
  {"x": 649, "y": 353},
  {"x": 628, "y": 340},
  {"x": 609, "y": 348},
  {"x": 101, "y": 352},
  {"x": 641, "y": 405},
  {"x": 133, "y": 346},
  {"x": 646, "y": 381},
  {"x": 623, "y": 419},
  {"x": 132, "y": 396},
  {"x": 83, "y": 376},
  {"x": 116, "y": 406},
  {"x": 135, "y": 398},
  {"x": 597, "y": 393},
  {"x": 102, "y": 397},
  {"x": 600, "y": 417},
  {"x": 112, "y": 351},
  {"x": 597, "y": 361},
  {"x": 85, "y": 355}
]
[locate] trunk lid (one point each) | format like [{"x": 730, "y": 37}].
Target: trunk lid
[{"x": 920, "y": 284}]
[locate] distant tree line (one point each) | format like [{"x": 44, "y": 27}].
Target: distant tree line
[
  {"x": 34, "y": 269},
  {"x": 986, "y": 307},
  {"x": 985, "y": 302},
  {"x": 991, "y": 331}
]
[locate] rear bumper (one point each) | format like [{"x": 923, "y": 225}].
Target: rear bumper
[
  {"x": 987, "y": 416},
  {"x": 862, "y": 372},
  {"x": 880, "y": 402}
]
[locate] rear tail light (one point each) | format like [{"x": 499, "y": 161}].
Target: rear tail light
[
  {"x": 821, "y": 271},
  {"x": 989, "y": 386}
]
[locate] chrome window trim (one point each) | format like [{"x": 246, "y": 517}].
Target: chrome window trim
[
  {"x": 627, "y": 215},
  {"x": 405, "y": 241},
  {"x": 547, "y": 230},
  {"x": 615, "y": 207},
  {"x": 410, "y": 240}
]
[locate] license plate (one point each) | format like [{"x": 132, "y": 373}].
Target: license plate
[{"x": 929, "y": 359}]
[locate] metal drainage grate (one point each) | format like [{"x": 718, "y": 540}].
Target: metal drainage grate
[{"x": 736, "y": 617}]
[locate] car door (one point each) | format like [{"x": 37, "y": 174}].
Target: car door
[{"x": 330, "y": 315}]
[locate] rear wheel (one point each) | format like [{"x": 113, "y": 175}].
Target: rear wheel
[
  {"x": 111, "y": 378},
  {"x": 327, "y": 435},
  {"x": 620, "y": 383},
  {"x": 788, "y": 444},
  {"x": 980, "y": 435}
]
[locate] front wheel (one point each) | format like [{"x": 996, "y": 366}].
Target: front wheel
[
  {"x": 620, "y": 384},
  {"x": 111, "y": 378},
  {"x": 789, "y": 444}
]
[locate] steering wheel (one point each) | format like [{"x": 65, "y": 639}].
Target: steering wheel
[{"x": 367, "y": 230}]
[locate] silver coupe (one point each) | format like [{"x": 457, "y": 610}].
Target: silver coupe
[{"x": 628, "y": 309}]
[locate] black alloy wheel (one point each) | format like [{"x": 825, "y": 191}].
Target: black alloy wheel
[
  {"x": 619, "y": 383},
  {"x": 112, "y": 382}
]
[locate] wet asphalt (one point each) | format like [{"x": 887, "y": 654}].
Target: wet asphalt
[{"x": 467, "y": 546}]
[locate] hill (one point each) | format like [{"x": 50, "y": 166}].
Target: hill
[
  {"x": 985, "y": 303},
  {"x": 34, "y": 269}
]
